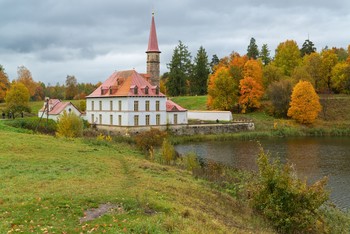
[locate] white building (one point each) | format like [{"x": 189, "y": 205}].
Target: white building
[
  {"x": 127, "y": 99},
  {"x": 56, "y": 108},
  {"x": 130, "y": 99}
]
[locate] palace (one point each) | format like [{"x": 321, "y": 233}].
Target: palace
[{"x": 132, "y": 99}]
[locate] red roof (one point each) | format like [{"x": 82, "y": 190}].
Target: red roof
[
  {"x": 173, "y": 107},
  {"x": 57, "y": 106},
  {"x": 153, "y": 42},
  {"x": 126, "y": 83}
]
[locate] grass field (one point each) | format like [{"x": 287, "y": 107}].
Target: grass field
[
  {"x": 48, "y": 184},
  {"x": 192, "y": 102}
]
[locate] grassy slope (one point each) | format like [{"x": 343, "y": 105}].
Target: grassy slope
[
  {"x": 47, "y": 183},
  {"x": 192, "y": 102}
]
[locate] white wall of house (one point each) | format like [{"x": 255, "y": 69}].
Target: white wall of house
[
  {"x": 177, "y": 117},
  {"x": 107, "y": 111},
  {"x": 68, "y": 108},
  {"x": 210, "y": 115}
]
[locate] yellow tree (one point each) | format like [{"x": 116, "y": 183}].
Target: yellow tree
[
  {"x": 329, "y": 60},
  {"x": 222, "y": 90},
  {"x": 4, "y": 84},
  {"x": 17, "y": 98},
  {"x": 287, "y": 56},
  {"x": 25, "y": 77},
  {"x": 251, "y": 86},
  {"x": 305, "y": 103},
  {"x": 341, "y": 77}
]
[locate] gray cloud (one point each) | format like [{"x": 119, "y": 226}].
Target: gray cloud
[{"x": 91, "y": 39}]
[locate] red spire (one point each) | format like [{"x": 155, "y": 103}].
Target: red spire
[{"x": 153, "y": 42}]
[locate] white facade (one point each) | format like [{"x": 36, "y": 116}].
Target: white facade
[
  {"x": 177, "y": 117},
  {"x": 126, "y": 111},
  {"x": 69, "y": 108},
  {"x": 210, "y": 115}
]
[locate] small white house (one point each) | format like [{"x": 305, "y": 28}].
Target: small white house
[{"x": 56, "y": 108}]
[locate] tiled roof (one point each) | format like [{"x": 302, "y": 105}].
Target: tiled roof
[
  {"x": 153, "y": 41},
  {"x": 173, "y": 107},
  {"x": 126, "y": 83},
  {"x": 57, "y": 106}
]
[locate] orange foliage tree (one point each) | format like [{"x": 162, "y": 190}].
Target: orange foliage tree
[
  {"x": 4, "y": 84},
  {"x": 251, "y": 86},
  {"x": 222, "y": 90},
  {"x": 305, "y": 103}
]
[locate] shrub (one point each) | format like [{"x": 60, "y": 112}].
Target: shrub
[
  {"x": 146, "y": 141},
  {"x": 279, "y": 93},
  {"x": 191, "y": 161},
  {"x": 69, "y": 125},
  {"x": 287, "y": 202},
  {"x": 168, "y": 151},
  {"x": 34, "y": 123}
]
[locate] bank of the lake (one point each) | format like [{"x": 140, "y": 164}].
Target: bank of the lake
[{"x": 52, "y": 185}]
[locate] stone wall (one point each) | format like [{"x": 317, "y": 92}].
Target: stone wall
[
  {"x": 206, "y": 129},
  {"x": 183, "y": 130}
]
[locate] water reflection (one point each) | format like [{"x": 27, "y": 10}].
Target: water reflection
[{"x": 312, "y": 158}]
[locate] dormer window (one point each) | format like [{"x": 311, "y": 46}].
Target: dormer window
[
  {"x": 157, "y": 90},
  {"x": 135, "y": 90},
  {"x": 146, "y": 90}
]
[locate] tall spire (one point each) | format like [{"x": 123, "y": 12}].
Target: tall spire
[
  {"x": 153, "y": 55},
  {"x": 153, "y": 42}
]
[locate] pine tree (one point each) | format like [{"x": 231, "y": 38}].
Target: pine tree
[
  {"x": 199, "y": 78},
  {"x": 265, "y": 55},
  {"x": 180, "y": 70},
  {"x": 214, "y": 61},
  {"x": 307, "y": 48},
  {"x": 252, "y": 50}
]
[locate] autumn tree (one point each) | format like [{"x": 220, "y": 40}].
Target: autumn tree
[
  {"x": 328, "y": 61},
  {"x": 307, "y": 48},
  {"x": 279, "y": 93},
  {"x": 287, "y": 56},
  {"x": 251, "y": 86},
  {"x": 301, "y": 73},
  {"x": 17, "y": 98},
  {"x": 341, "y": 53},
  {"x": 222, "y": 90},
  {"x": 180, "y": 68},
  {"x": 271, "y": 73},
  {"x": 341, "y": 78},
  {"x": 71, "y": 87},
  {"x": 4, "y": 84},
  {"x": 252, "y": 50},
  {"x": 264, "y": 55},
  {"x": 313, "y": 63},
  {"x": 236, "y": 65},
  {"x": 25, "y": 77},
  {"x": 201, "y": 70},
  {"x": 305, "y": 104}
]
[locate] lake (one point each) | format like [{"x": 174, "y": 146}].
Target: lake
[{"x": 312, "y": 158}]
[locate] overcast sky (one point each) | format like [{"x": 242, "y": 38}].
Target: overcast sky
[{"x": 91, "y": 39}]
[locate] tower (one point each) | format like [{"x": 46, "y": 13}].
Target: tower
[{"x": 153, "y": 55}]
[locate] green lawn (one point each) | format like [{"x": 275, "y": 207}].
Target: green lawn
[
  {"x": 47, "y": 184},
  {"x": 192, "y": 102}
]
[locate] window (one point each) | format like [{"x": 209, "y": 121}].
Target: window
[
  {"x": 135, "y": 90},
  {"x": 136, "y": 105},
  {"x": 69, "y": 110},
  {"x": 157, "y": 90},
  {"x": 136, "y": 120},
  {"x": 157, "y": 105},
  {"x": 146, "y": 90},
  {"x": 147, "y": 105},
  {"x": 100, "y": 105},
  {"x": 157, "y": 119},
  {"x": 92, "y": 118},
  {"x": 100, "y": 119},
  {"x": 111, "y": 105},
  {"x": 92, "y": 105},
  {"x": 120, "y": 105},
  {"x": 175, "y": 118},
  {"x": 147, "y": 120},
  {"x": 111, "y": 119},
  {"x": 120, "y": 120}
]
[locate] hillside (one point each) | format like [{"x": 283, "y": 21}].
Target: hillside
[{"x": 48, "y": 184}]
